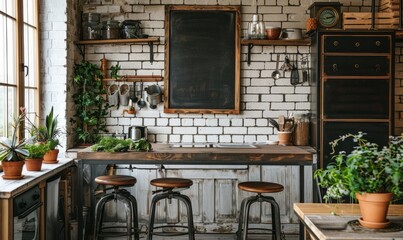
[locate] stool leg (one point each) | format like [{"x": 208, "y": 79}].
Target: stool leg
[
  {"x": 240, "y": 221},
  {"x": 135, "y": 217},
  {"x": 99, "y": 211},
  {"x": 126, "y": 201},
  {"x": 186, "y": 200},
  {"x": 275, "y": 215},
  {"x": 248, "y": 203},
  {"x": 154, "y": 202}
]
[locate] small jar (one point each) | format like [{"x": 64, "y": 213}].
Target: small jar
[
  {"x": 91, "y": 30},
  {"x": 301, "y": 132},
  {"x": 130, "y": 29},
  {"x": 110, "y": 29}
]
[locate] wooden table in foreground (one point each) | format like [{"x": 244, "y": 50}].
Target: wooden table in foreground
[{"x": 320, "y": 223}]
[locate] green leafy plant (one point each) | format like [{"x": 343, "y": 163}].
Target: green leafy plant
[
  {"x": 111, "y": 144},
  {"x": 37, "y": 150},
  {"x": 12, "y": 149},
  {"x": 90, "y": 106},
  {"x": 368, "y": 168},
  {"x": 52, "y": 130},
  {"x": 115, "y": 71}
]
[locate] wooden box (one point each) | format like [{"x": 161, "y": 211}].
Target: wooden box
[{"x": 362, "y": 20}]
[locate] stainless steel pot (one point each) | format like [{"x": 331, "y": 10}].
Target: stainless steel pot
[{"x": 137, "y": 132}]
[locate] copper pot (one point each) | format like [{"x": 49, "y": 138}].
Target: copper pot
[{"x": 273, "y": 33}]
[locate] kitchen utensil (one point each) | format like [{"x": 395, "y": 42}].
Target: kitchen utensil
[
  {"x": 154, "y": 95},
  {"x": 137, "y": 132},
  {"x": 273, "y": 33},
  {"x": 304, "y": 66},
  {"x": 276, "y": 74},
  {"x": 135, "y": 98},
  {"x": 281, "y": 122},
  {"x": 141, "y": 103},
  {"x": 286, "y": 65},
  {"x": 256, "y": 29},
  {"x": 291, "y": 34},
  {"x": 294, "y": 78}
]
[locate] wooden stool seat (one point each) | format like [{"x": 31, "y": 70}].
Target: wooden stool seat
[
  {"x": 171, "y": 182},
  {"x": 116, "y": 180},
  {"x": 261, "y": 187}
]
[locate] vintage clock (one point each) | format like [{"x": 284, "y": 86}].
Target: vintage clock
[{"x": 328, "y": 14}]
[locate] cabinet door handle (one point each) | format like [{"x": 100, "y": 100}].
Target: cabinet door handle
[
  {"x": 377, "y": 68},
  {"x": 378, "y": 43},
  {"x": 356, "y": 66},
  {"x": 336, "y": 43},
  {"x": 357, "y": 44},
  {"x": 334, "y": 66}
]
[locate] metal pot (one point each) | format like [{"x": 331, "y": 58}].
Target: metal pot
[{"x": 137, "y": 132}]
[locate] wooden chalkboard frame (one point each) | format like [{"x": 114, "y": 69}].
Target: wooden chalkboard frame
[{"x": 227, "y": 87}]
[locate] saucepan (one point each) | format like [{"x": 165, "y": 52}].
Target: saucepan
[{"x": 291, "y": 34}]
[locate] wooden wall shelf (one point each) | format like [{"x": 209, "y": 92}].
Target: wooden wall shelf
[
  {"x": 136, "y": 78},
  {"x": 150, "y": 41},
  {"x": 265, "y": 42},
  {"x": 118, "y": 41}
]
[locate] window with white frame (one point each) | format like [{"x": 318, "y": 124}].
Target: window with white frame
[{"x": 19, "y": 75}]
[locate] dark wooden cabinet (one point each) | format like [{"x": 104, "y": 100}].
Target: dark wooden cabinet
[{"x": 352, "y": 87}]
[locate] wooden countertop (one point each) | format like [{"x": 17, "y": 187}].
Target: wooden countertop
[
  {"x": 165, "y": 154},
  {"x": 330, "y": 221},
  {"x": 11, "y": 188}
]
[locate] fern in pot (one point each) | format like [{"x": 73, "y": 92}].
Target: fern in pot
[
  {"x": 368, "y": 173},
  {"x": 36, "y": 151}
]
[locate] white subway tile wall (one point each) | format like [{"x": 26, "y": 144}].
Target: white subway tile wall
[{"x": 261, "y": 96}]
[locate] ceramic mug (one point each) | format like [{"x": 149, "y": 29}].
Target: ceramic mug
[{"x": 291, "y": 34}]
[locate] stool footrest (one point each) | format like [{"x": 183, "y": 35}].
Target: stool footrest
[{"x": 170, "y": 233}]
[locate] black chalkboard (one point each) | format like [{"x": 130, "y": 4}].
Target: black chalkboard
[{"x": 202, "y": 59}]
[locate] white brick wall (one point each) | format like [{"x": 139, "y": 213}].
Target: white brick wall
[
  {"x": 261, "y": 96},
  {"x": 53, "y": 53}
]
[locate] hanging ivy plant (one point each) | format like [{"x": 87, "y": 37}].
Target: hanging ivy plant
[{"x": 90, "y": 106}]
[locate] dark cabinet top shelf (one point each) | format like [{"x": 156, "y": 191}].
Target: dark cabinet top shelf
[
  {"x": 118, "y": 41},
  {"x": 298, "y": 42}
]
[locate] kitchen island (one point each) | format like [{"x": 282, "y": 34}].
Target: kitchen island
[
  {"x": 215, "y": 170},
  {"x": 12, "y": 189}
]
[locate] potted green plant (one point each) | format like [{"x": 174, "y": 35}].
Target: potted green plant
[
  {"x": 33, "y": 161},
  {"x": 90, "y": 106},
  {"x": 12, "y": 152},
  {"x": 51, "y": 138},
  {"x": 366, "y": 173}
]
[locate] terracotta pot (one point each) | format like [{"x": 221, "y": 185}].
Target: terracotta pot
[
  {"x": 51, "y": 156},
  {"x": 12, "y": 170},
  {"x": 284, "y": 138},
  {"x": 374, "y": 208},
  {"x": 33, "y": 164}
]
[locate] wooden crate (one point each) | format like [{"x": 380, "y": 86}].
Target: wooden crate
[
  {"x": 362, "y": 20},
  {"x": 389, "y": 6}
]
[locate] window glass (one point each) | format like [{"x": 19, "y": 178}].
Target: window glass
[
  {"x": 30, "y": 53},
  {"x": 8, "y": 7},
  {"x": 30, "y": 12},
  {"x": 11, "y": 51}
]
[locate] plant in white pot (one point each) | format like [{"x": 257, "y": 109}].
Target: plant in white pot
[{"x": 366, "y": 173}]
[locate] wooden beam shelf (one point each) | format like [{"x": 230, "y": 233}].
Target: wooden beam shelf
[
  {"x": 136, "y": 78},
  {"x": 118, "y": 41},
  {"x": 150, "y": 41},
  {"x": 266, "y": 42}
]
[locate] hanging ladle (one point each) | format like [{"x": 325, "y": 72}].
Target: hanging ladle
[
  {"x": 141, "y": 103},
  {"x": 276, "y": 74}
]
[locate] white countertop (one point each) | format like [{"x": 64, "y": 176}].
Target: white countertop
[{"x": 11, "y": 188}]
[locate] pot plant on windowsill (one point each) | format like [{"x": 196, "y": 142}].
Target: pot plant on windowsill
[
  {"x": 12, "y": 152},
  {"x": 33, "y": 162},
  {"x": 366, "y": 173},
  {"x": 51, "y": 138}
]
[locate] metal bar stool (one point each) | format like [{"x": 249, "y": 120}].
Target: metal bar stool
[
  {"x": 170, "y": 190},
  {"x": 259, "y": 188},
  {"x": 126, "y": 198}
]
